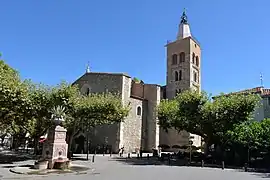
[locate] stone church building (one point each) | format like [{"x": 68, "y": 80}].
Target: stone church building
[{"x": 140, "y": 129}]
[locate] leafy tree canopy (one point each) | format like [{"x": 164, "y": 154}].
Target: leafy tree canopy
[{"x": 197, "y": 114}]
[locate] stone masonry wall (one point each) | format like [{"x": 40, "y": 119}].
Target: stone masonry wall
[
  {"x": 133, "y": 126},
  {"x": 98, "y": 83},
  {"x": 130, "y": 130},
  {"x": 152, "y": 94}
]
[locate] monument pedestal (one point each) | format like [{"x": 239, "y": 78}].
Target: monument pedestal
[{"x": 55, "y": 148}]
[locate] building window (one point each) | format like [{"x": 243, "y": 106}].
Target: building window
[
  {"x": 195, "y": 76},
  {"x": 88, "y": 91},
  {"x": 193, "y": 58},
  {"x": 176, "y": 76},
  {"x": 139, "y": 111},
  {"x": 182, "y": 57},
  {"x": 197, "y": 61},
  {"x": 174, "y": 59},
  {"x": 195, "y": 45},
  {"x": 177, "y": 91},
  {"x": 180, "y": 75}
]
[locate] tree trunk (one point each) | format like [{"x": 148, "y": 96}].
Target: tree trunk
[
  {"x": 70, "y": 140},
  {"x": 36, "y": 139}
]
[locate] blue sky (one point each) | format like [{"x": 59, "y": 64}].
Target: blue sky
[{"x": 49, "y": 41}]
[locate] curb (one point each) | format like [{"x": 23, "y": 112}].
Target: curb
[{"x": 46, "y": 172}]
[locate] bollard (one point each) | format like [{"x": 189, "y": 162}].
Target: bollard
[
  {"x": 169, "y": 159},
  {"x": 93, "y": 158},
  {"x": 128, "y": 155},
  {"x": 138, "y": 156},
  {"x": 246, "y": 167},
  {"x": 202, "y": 163},
  {"x": 148, "y": 156},
  {"x": 103, "y": 153},
  {"x": 111, "y": 154},
  {"x": 223, "y": 165}
]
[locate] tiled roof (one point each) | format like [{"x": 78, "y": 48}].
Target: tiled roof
[
  {"x": 257, "y": 90},
  {"x": 252, "y": 90}
]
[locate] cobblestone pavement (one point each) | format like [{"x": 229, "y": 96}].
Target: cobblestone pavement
[{"x": 105, "y": 168}]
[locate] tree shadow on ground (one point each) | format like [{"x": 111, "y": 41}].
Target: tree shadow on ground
[
  {"x": 151, "y": 161},
  {"x": 79, "y": 158},
  {"x": 10, "y": 157},
  {"x": 8, "y": 167},
  {"x": 262, "y": 175}
]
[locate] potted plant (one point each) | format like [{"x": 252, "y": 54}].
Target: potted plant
[{"x": 58, "y": 114}]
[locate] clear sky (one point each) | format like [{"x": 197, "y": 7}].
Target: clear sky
[{"x": 52, "y": 40}]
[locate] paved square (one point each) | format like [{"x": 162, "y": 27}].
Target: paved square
[{"x": 106, "y": 168}]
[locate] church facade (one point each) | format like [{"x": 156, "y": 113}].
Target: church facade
[{"x": 140, "y": 129}]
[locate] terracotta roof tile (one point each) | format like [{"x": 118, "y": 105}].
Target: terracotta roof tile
[{"x": 257, "y": 90}]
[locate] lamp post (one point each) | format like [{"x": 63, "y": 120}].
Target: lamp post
[
  {"x": 87, "y": 139},
  {"x": 105, "y": 142}
]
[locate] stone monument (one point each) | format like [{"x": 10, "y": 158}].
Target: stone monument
[{"x": 54, "y": 152}]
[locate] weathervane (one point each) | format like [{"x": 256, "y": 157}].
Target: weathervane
[{"x": 184, "y": 17}]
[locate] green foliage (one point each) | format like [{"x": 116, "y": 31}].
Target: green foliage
[
  {"x": 27, "y": 107},
  {"x": 97, "y": 109},
  {"x": 197, "y": 114},
  {"x": 58, "y": 112},
  {"x": 136, "y": 80},
  {"x": 249, "y": 134},
  {"x": 167, "y": 113},
  {"x": 39, "y": 116},
  {"x": 13, "y": 97}
]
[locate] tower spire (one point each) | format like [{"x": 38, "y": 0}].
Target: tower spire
[
  {"x": 88, "y": 67},
  {"x": 183, "y": 29}
]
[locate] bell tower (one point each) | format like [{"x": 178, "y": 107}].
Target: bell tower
[
  {"x": 183, "y": 61},
  {"x": 183, "y": 73}
]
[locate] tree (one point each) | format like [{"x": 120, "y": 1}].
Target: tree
[
  {"x": 87, "y": 111},
  {"x": 39, "y": 117},
  {"x": 185, "y": 112},
  {"x": 228, "y": 111},
  {"x": 13, "y": 99},
  {"x": 249, "y": 134},
  {"x": 197, "y": 114}
]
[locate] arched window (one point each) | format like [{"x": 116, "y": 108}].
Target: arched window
[
  {"x": 88, "y": 91},
  {"x": 193, "y": 58},
  {"x": 197, "y": 60},
  {"x": 194, "y": 76},
  {"x": 139, "y": 111},
  {"x": 176, "y": 76},
  {"x": 182, "y": 57},
  {"x": 174, "y": 59},
  {"x": 85, "y": 90},
  {"x": 180, "y": 75}
]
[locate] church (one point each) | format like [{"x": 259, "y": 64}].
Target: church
[{"x": 140, "y": 128}]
